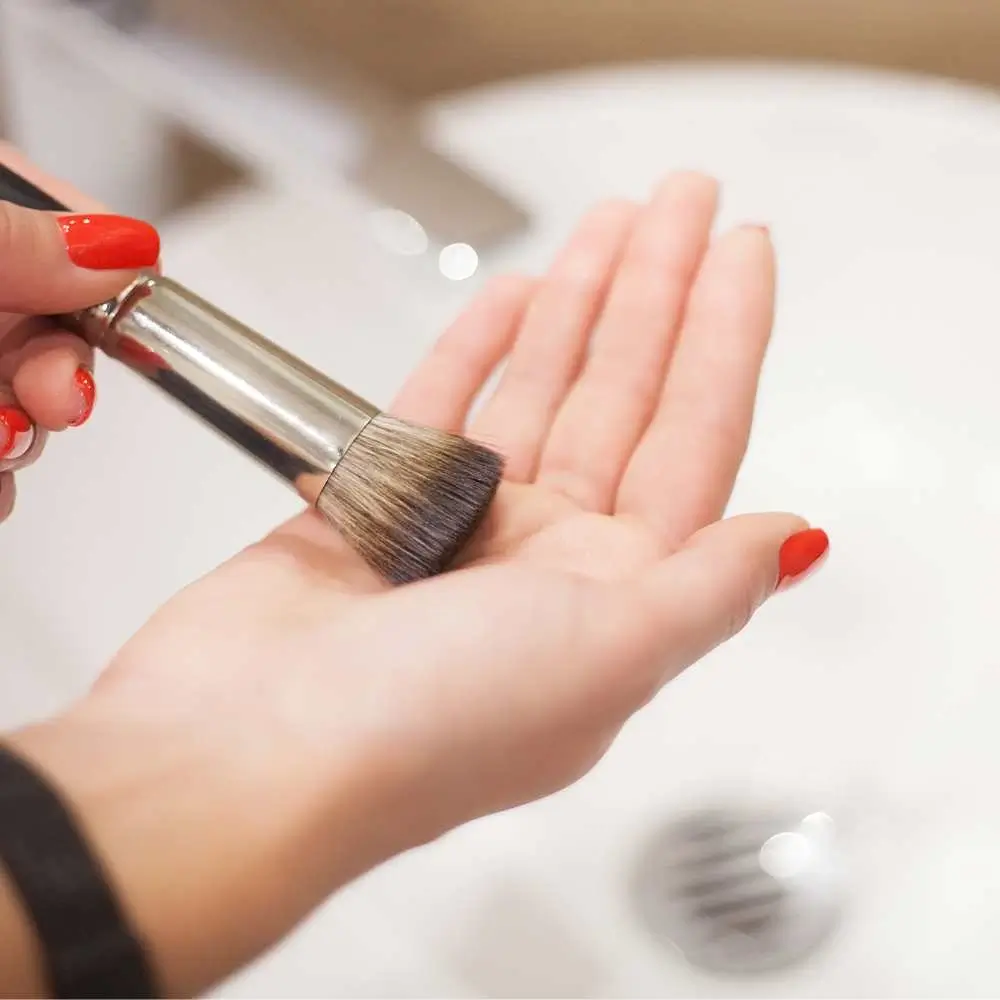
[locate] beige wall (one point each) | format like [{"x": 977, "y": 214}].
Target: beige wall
[{"x": 422, "y": 47}]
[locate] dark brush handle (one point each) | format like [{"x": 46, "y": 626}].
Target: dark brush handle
[{"x": 18, "y": 191}]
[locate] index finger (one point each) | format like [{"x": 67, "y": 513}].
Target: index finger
[{"x": 58, "y": 262}]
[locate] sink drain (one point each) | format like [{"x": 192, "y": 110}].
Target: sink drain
[{"x": 742, "y": 891}]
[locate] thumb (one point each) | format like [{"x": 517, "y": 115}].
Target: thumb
[
  {"x": 53, "y": 263},
  {"x": 708, "y": 591}
]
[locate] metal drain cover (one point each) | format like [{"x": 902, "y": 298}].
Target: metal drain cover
[{"x": 741, "y": 891}]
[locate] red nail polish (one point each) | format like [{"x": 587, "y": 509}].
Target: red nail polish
[
  {"x": 110, "y": 242},
  {"x": 84, "y": 383},
  {"x": 800, "y": 553},
  {"x": 16, "y": 433}
]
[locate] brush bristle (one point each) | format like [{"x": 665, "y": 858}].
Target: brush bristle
[{"x": 408, "y": 498}]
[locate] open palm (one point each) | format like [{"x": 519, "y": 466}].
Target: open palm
[
  {"x": 290, "y": 720},
  {"x": 628, "y": 391},
  {"x": 602, "y": 568}
]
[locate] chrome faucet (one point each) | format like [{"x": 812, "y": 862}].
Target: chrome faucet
[{"x": 354, "y": 130}]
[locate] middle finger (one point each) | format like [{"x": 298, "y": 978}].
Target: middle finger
[{"x": 608, "y": 408}]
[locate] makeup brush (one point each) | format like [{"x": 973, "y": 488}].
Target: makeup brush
[{"x": 406, "y": 497}]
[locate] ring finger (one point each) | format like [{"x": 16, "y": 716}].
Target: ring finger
[
  {"x": 51, "y": 375},
  {"x": 21, "y": 439},
  {"x": 553, "y": 339}
]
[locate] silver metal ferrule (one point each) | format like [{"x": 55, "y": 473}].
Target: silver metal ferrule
[{"x": 292, "y": 419}]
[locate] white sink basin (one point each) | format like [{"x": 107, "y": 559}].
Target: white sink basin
[{"x": 871, "y": 693}]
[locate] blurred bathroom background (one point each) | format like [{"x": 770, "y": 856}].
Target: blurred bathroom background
[{"x": 808, "y": 813}]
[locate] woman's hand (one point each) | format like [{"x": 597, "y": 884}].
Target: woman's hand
[
  {"x": 288, "y": 721},
  {"x": 52, "y": 264}
]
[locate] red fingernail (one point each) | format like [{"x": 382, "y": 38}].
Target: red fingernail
[
  {"x": 800, "y": 553},
  {"x": 16, "y": 433},
  {"x": 87, "y": 391},
  {"x": 110, "y": 242}
]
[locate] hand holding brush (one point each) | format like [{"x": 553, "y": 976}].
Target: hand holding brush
[
  {"x": 288, "y": 721},
  {"x": 405, "y": 496}
]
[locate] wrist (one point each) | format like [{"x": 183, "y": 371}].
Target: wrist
[{"x": 216, "y": 845}]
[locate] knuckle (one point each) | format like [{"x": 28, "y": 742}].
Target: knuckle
[
  {"x": 585, "y": 489},
  {"x": 742, "y": 610},
  {"x": 579, "y": 284}
]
